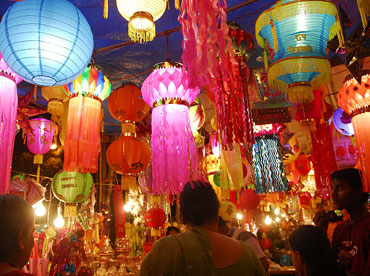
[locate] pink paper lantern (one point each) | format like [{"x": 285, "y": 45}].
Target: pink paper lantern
[
  {"x": 8, "y": 117},
  {"x": 345, "y": 153},
  {"x": 41, "y": 138},
  {"x": 173, "y": 146}
]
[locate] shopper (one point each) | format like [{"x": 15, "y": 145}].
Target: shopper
[
  {"x": 245, "y": 236},
  {"x": 16, "y": 234},
  {"x": 311, "y": 252},
  {"x": 200, "y": 250},
  {"x": 351, "y": 239},
  {"x": 172, "y": 230}
]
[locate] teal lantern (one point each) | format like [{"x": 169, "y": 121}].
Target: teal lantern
[
  {"x": 46, "y": 42},
  {"x": 294, "y": 35}
]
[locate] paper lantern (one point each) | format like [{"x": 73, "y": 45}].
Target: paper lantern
[
  {"x": 174, "y": 152},
  {"x": 82, "y": 142},
  {"x": 295, "y": 151},
  {"x": 242, "y": 42},
  {"x": 227, "y": 210},
  {"x": 141, "y": 15},
  {"x": 63, "y": 123},
  {"x": 155, "y": 217},
  {"x": 265, "y": 243},
  {"x": 289, "y": 34},
  {"x": 55, "y": 95},
  {"x": 8, "y": 113},
  {"x": 343, "y": 122},
  {"x": 302, "y": 165},
  {"x": 354, "y": 98},
  {"x": 197, "y": 115},
  {"x": 47, "y": 42},
  {"x": 249, "y": 200},
  {"x": 127, "y": 104},
  {"x": 345, "y": 153}
]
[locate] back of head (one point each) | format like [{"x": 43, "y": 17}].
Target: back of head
[
  {"x": 16, "y": 215},
  {"x": 198, "y": 203},
  {"x": 314, "y": 248}
]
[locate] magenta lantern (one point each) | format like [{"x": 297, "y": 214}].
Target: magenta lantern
[
  {"x": 8, "y": 113},
  {"x": 345, "y": 153},
  {"x": 174, "y": 155}
]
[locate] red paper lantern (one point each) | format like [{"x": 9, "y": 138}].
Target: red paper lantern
[
  {"x": 265, "y": 243},
  {"x": 302, "y": 165},
  {"x": 249, "y": 200},
  {"x": 155, "y": 217}
]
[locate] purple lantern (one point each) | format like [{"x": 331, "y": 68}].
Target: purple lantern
[
  {"x": 8, "y": 121},
  {"x": 174, "y": 155},
  {"x": 343, "y": 122}
]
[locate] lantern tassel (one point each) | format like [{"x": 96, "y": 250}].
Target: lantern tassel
[
  {"x": 106, "y": 6},
  {"x": 141, "y": 36},
  {"x": 177, "y": 4},
  {"x": 364, "y": 8}
]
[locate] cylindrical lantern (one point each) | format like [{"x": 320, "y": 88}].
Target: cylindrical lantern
[
  {"x": 290, "y": 36},
  {"x": 8, "y": 113},
  {"x": 40, "y": 139},
  {"x": 55, "y": 95},
  {"x": 174, "y": 152},
  {"x": 141, "y": 15},
  {"x": 46, "y": 42},
  {"x": 82, "y": 142},
  {"x": 345, "y": 152},
  {"x": 354, "y": 98}
]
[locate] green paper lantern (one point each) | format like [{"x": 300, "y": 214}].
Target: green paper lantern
[{"x": 217, "y": 178}]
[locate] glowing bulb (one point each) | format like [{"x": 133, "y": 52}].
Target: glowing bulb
[
  {"x": 39, "y": 209},
  {"x": 277, "y": 219},
  {"x": 53, "y": 146},
  {"x": 127, "y": 207},
  {"x": 239, "y": 216},
  {"x": 59, "y": 221},
  {"x": 277, "y": 211},
  {"x": 268, "y": 220},
  {"x": 283, "y": 215}
]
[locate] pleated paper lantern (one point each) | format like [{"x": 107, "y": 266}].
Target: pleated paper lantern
[
  {"x": 8, "y": 113},
  {"x": 141, "y": 15},
  {"x": 354, "y": 98},
  {"x": 82, "y": 141},
  {"x": 55, "y": 95},
  {"x": 174, "y": 152},
  {"x": 46, "y": 42},
  {"x": 295, "y": 34}
]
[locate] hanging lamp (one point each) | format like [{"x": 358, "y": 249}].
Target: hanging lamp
[{"x": 141, "y": 15}]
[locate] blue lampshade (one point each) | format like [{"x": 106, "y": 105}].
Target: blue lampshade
[{"x": 46, "y": 42}]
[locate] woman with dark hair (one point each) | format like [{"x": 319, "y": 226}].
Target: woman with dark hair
[
  {"x": 16, "y": 234},
  {"x": 311, "y": 252},
  {"x": 200, "y": 250}
]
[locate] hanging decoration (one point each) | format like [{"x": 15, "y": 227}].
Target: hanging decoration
[
  {"x": 63, "y": 123},
  {"x": 71, "y": 188},
  {"x": 82, "y": 142},
  {"x": 268, "y": 166},
  {"x": 302, "y": 165},
  {"x": 345, "y": 152},
  {"x": 308, "y": 113},
  {"x": 8, "y": 119},
  {"x": 174, "y": 152},
  {"x": 155, "y": 218},
  {"x": 249, "y": 200},
  {"x": 40, "y": 139},
  {"x": 242, "y": 41},
  {"x": 55, "y": 95},
  {"x": 364, "y": 9},
  {"x": 343, "y": 122},
  {"x": 354, "y": 98},
  {"x": 231, "y": 177},
  {"x": 47, "y": 42},
  {"x": 295, "y": 150},
  {"x": 141, "y": 15},
  {"x": 297, "y": 50}
]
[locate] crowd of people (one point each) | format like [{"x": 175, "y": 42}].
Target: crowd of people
[{"x": 210, "y": 247}]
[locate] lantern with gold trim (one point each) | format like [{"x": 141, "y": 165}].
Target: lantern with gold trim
[{"x": 294, "y": 34}]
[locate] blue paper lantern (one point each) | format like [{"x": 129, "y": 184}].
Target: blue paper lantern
[
  {"x": 46, "y": 42},
  {"x": 294, "y": 35},
  {"x": 343, "y": 122}
]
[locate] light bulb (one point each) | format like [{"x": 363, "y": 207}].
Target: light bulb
[
  {"x": 39, "y": 209},
  {"x": 127, "y": 207},
  {"x": 59, "y": 221},
  {"x": 277, "y": 219},
  {"x": 277, "y": 211},
  {"x": 283, "y": 215},
  {"x": 239, "y": 216},
  {"x": 53, "y": 146},
  {"x": 268, "y": 220}
]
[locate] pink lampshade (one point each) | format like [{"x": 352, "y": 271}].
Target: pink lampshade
[
  {"x": 41, "y": 138},
  {"x": 174, "y": 155},
  {"x": 8, "y": 119}
]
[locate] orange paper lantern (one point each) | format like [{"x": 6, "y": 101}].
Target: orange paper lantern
[{"x": 302, "y": 165}]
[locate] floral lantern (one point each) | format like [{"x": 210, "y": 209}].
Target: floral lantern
[
  {"x": 40, "y": 139},
  {"x": 174, "y": 152},
  {"x": 8, "y": 112},
  {"x": 354, "y": 98},
  {"x": 141, "y": 15},
  {"x": 55, "y": 95},
  {"x": 289, "y": 34},
  {"x": 345, "y": 152},
  {"x": 343, "y": 122},
  {"x": 82, "y": 141},
  {"x": 47, "y": 42}
]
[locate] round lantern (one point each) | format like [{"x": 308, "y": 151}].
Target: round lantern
[
  {"x": 127, "y": 104},
  {"x": 155, "y": 218},
  {"x": 46, "y": 42},
  {"x": 296, "y": 47},
  {"x": 141, "y": 15},
  {"x": 82, "y": 141},
  {"x": 302, "y": 165},
  {"x": 55, "y": 95},
  {"x": 343, "y": 122},
  {"x": 197, "y": 115},
  {"x": 265, "y": 242},
  {"x": 172, "y": 140},
  {"x": 249, "y": 200},
  {"x": 8, "y": 113},
  {"x": 128, "y": 156},
  {"x": 345, "y": 153},
  {"x": 72, "y": 188},
  {"x": 227, "y": 210}
]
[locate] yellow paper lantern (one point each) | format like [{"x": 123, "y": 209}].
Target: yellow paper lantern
[
  {"x": 55, "y": 95},
  {"x": 141, "y": 15}
]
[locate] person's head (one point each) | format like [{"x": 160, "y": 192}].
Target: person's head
[
  {"x": 172, "y": 230},
  {"x": 347, "y": 189},
  {"x": 222, "y": 226},
  {"x": 16, "y": 230},
  {"x": 311, "y": 252},
  {"x": 198, "y": 203}
]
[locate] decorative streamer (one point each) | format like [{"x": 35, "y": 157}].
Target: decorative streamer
[{"x": 119, "y": 212}]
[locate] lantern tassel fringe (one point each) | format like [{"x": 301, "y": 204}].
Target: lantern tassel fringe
[
  {"x": 141, "y": 36},
  {"x": 105, "y": 11},
  {"x": 300, "y": 94},
  {"x": 364, "y": 8}
]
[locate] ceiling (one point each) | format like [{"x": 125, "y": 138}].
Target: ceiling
[{"x": 124, "y": 61}]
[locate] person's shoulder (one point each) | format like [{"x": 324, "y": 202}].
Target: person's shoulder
[
  {"x": 16, "y": 273},
  {"x": 245, "y": 235}
]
